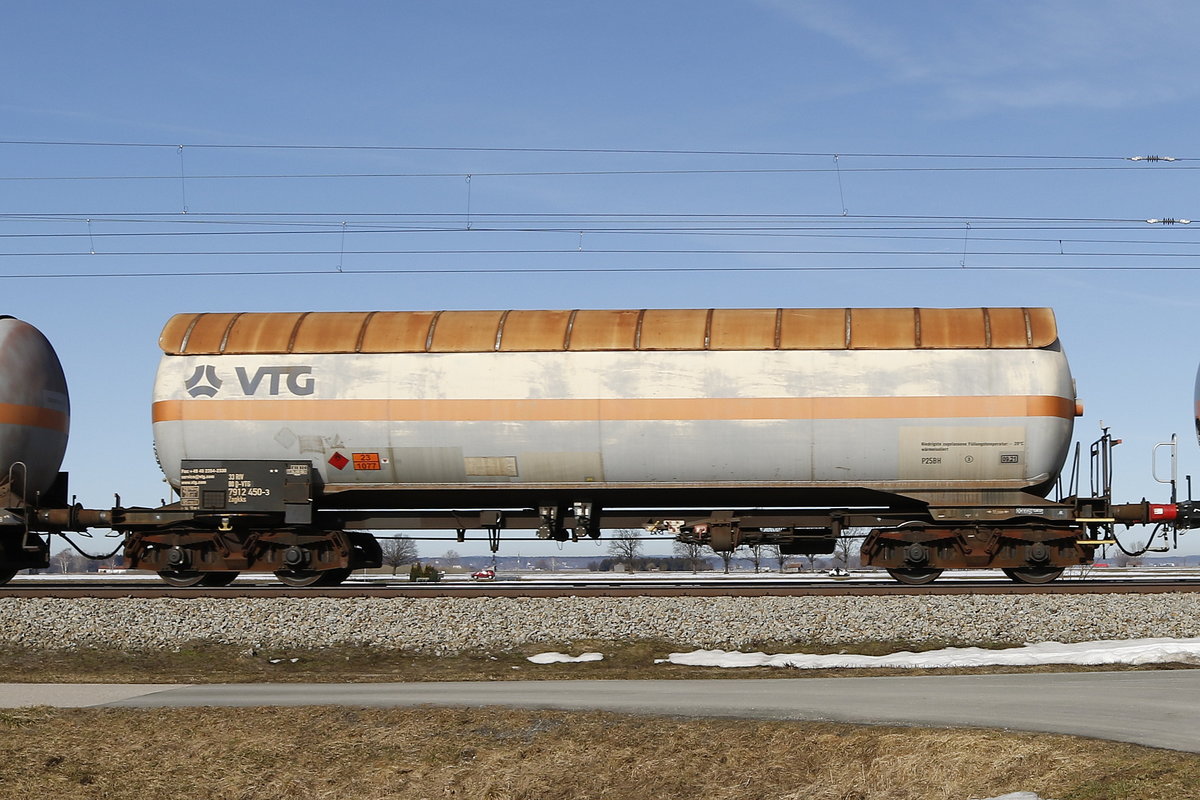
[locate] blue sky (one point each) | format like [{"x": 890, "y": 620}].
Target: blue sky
[{"x": 1068, "y": 79}]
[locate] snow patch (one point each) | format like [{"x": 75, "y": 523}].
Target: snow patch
[
  {"x": 1132, "y": 651},
  {"x": 563, "y": 658}
]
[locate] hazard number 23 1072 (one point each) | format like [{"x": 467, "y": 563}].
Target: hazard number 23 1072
[{"x": 366, "y": 460}]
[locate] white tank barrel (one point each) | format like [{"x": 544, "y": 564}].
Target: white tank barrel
[{"x": 727, "y": 397}]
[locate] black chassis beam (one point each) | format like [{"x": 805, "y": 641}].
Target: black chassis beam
[
  {"x": 649, "y": 519},
  {"x": 171, "y": 518}
]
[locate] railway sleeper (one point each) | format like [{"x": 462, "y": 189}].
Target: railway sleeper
[
  {"x": 917, "y": 553},
  {"x": 208, "y": 558}
]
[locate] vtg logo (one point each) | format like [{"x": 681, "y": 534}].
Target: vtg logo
[
  {"x": 294, "y": 380},
  {"x": 204, "y": 382}
]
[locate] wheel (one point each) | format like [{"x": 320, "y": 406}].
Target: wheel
[
  {"x": 915, "y": 577},
  {"x": 6, "y": 575},
  {"x": 218, "y": 578},
  {"x": 1033, "y": 574},
  {"x": 310, "y": 577},
  {"x": 298, "y": 577},
  {"x": 182, "y": 577}
]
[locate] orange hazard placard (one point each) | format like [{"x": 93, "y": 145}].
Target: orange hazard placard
[{"x": 366, "y": 460}]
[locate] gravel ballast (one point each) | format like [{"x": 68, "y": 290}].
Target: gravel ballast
[{"x": 447, "y": 625}]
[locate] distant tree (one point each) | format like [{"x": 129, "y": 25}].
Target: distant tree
[
  {"x": 726, "y": 557},
  {"x": 691, "y": 552},
  {"x": 626, "y": 547},
  {"x": 755, "y": 551},
  {"x": 845, "y": 551},
  {"x": 114, "y": 562},
  {"x": 423, "y": 572},
  {"x": 398, "y": 552},
  {"x": 452, "y": 558},
  {"x": 68, "y": 562},
  {"x": 779, "y": 556},
  {"x": 61, "y": 561},
  {"x": 811, "y": 558}
]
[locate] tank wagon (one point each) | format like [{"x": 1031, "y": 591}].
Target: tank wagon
[
  {"x": 35, "y": 418},
  {"x": 938, "y": 432}
]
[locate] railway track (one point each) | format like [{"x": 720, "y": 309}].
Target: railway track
[{"x": 641, "y": 588}]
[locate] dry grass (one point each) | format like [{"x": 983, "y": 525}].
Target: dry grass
[
  {"x": 302, "y": 753},
  {"x": 425, "y": 753},
  {"x": 206, "y": 663}
]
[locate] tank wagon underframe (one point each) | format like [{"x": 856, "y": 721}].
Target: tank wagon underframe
[{"x": 265, "y": 516}]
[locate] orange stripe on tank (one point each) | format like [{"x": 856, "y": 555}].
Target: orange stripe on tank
[
  {"x": 34, "y": 417},
  {"x": 527, "y": 410}
]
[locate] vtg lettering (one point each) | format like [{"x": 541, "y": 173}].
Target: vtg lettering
[{"x": 297, "y": 380}]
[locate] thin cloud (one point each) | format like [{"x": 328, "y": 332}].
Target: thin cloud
[
  {"x": 142, "y": 125},
  {"x": 977, "y": 57}
]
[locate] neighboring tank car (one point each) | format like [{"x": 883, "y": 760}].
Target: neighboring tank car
[{"x": 35, "y": 419}]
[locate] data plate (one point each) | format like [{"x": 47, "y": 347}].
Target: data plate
[
  {"x": 962, "y": 452},
  {"x": 240, "y": 486}
]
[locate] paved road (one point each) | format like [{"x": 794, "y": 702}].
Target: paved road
[
  {"x": 76, "y": 695},
  {"x": 1156, "y": 708}
]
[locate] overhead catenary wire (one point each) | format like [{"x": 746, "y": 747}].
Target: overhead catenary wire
[
  {"x": 900, "y": 230},
  {"x": 602, "y": 251},
  {"x": 568, "y": 173},
  {"x": 808, "y": 233},
  {"x": 657, "y": 215},
  {"x": 574, "y": 222},
  {"x": 985, "y": 242},
  {"x": 579, "y": 150},
  {"x": 371, "y": 271},
  {"x": 696, "y": 229}
]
